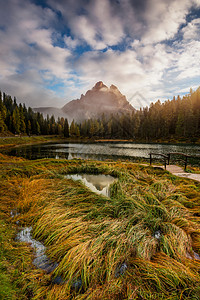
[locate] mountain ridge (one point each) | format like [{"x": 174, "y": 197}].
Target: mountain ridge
[{"x": 96, "y": 101}]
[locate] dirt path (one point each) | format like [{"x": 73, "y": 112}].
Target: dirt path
[{"x": 178, "y": 171}]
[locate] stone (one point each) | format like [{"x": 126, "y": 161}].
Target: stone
[
  {"x": 196, "y": 256},
  {"x": 58, "y": 280},
  {"x": 120, "y": 270},
  {"x": 77, "y": 284},
  {"x": 157, "y": 234}
]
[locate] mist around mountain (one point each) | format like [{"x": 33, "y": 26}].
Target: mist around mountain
[
  {"x": 51, "y": 111},
  {"x": 97, "y": 101},
  {"x": 175, "y": 120}
]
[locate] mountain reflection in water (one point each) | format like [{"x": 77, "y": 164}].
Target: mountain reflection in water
[{"x": 96, "y": 183}]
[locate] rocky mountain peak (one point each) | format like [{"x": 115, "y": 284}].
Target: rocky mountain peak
[
  {"x": 100, "y": 99},
  {"x": 99, "y": 85},
  {"x": 113, "y": 87}
]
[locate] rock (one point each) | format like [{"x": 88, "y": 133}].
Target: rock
[
  {"x": 188, "y": 255},
  {"x": 58, "y": 280},
  {"x": 120, "y": 270},
  {"x": 99, "y": 85},
  {"x": 77, "y": 284},
  {"x": 100, "y": 99},
  {"x": 44, "y": 263},
  {"x": 157, "y": 234},
  {"x": 14, "y": 213},
  {"x": 96, "y": 101},
  {"x": 113, "y": 87},
  {"x": 196, "y": 256}
]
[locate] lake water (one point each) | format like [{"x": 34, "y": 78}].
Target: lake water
[{"x": 99, "y": 151}]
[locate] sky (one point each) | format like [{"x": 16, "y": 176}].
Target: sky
[{"x": 52, "y": 51}]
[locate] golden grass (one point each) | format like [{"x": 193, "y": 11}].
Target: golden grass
[{"x": 91, "y": 236}]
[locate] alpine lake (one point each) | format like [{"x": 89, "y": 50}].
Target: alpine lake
[{"x": 99, "y": 150}]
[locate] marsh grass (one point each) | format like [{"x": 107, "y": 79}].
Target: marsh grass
[
  {"x": 14, "y": 140},
  {"x": 92, "y": 236}
]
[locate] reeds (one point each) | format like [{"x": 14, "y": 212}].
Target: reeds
[{"x": 150, "y": 224}]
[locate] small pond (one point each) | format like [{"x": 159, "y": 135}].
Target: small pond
[{"x": 96, "y": 183}]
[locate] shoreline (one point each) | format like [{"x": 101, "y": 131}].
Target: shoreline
[{"x": 14, "y": 141}]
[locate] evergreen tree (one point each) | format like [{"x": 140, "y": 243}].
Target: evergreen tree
[
  {"x": 29, "y": 127},
  {"x": 72, "y": 129},
  {"x": 16, "y": 120},
  {"x": 92, "y": 129},
  {"x": 66, "y": 128},
  {"x": 2, "y": 124},
  {"x": 38, "y": 128},
  {"x": 22, "y": 119},
  {"x": 77, "y": 131},
  {"x": 101, "y": 130},
  {"x": 3, "y": 114},
  {"x": 59, "y": 129}
]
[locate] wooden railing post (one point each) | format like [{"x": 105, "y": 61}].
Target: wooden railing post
[
  {"x": 168, "y": 159},
  {"x": 150, "y": 159},
  {"x": 186, "y": 160}
]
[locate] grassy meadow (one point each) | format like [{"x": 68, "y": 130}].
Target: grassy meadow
[
  {"x": 12, "y": 141},
  {"x": 150, "y": 224}
]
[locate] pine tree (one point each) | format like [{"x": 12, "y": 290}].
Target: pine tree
[
  {"x": 3, "y": 110},
  {"x": 66, "y": 128},
  {"x": 92, "y": 129},
  {"x": 72, "y": 129},
  {"x": 77, "y": 131},
  {"x": 2, "y": 124},
  {"x": 52, "y": 125},
  {"x": 29, "y": 127},
  {"x": 38, "y": 128},
  {"x": 3, "y": 114},
  {"x": 59, "y": 129},
  {"x": 96, "y": 128},
  {"x": 16, "y": 120},
  {"x": 22, "y": 119},
  {"x": 101, "y": 130}
]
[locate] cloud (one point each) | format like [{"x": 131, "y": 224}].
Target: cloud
[
  {"x": 188, "y": 61},
  {"x": 91, "y": 21},
  {"x": 186, "y": 52},
  {"x": 71, "y": 43},
  {"x": 192, "y": 30},
  {"x": 28, "y": 88},
  {"x": 51, "y": 54},
  {"x": 28, "y": 49}
]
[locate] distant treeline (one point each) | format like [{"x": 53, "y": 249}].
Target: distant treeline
[
  {"x": 19, "y": 119},
  {"x": 178, "y": 118}
]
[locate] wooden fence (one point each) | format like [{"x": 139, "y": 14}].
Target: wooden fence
[{"x": 166, "y": 158}]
